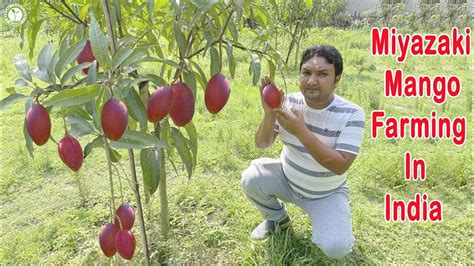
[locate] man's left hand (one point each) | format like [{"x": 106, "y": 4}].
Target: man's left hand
[{"x": 292, "y": 121}]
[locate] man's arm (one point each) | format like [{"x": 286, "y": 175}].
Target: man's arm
[
  {"x": 334, "y": 160},
  {"x": 265, "y": 135}
]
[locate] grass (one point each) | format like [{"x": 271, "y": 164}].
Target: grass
[{"x": 44, "y": 218}]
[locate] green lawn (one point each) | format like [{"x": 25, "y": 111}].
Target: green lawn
[{"x": 44, "y": 218}]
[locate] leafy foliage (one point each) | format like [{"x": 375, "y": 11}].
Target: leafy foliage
[{"x": 172, "y": 33}]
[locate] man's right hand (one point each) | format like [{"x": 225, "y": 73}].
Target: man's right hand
[
  {"x": 265, "y": 134},
  {"x": 269, "y": 112}
]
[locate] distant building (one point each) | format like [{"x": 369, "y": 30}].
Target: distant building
[{"x": 357, "y": 7}]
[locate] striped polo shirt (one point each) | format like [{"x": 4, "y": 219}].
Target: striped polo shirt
[{"x": 340, "y": 126}]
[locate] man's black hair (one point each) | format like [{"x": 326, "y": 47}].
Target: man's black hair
[{"x": 330, "y": 53}]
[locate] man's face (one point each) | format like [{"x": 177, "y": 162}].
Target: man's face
[{"x": 318, "y": 81}]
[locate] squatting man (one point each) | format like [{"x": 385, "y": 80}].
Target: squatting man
[{"x": 321, "y": 134}]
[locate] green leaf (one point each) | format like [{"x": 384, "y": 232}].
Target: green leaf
[
  {"x": 114, "y": 155},
  {"x": 216, "y": 19},
  {"x": 233, "y": 31},
  {"x": 41, "y": 74},
  {"x": 126, "y": 42},
  {"x": 165, "y": 61},
  {"x": 181, "y": 144},
  {"x": 165, "y": 131},
  {"x": 199, "y": 69},
  {"x": 180, "y": 39},
  {"x": 202, "y": 9},
  {"x": 132, "y": 124},
  {"x": 79, "y": 126},
  {"x": 231, "y": 61},
  {"x": 28, "y": 104},
  {"x": 256, "y": 68},
  {"x": 74, "y": 96},
  {"x": 240, "y": 9},
  {"x": 77, "y": 110},
  {"x": 161, "y": 3},
  {"x": 68, "y": 57},
  {"x": 113, "y": 16},
  {"x": 149, "y": 8},
  {"x": 198, "y": 3},
  {"x": 80, "y": 27},
  {"x": 32, "y": 34},
  {"x": 32, "y": 27},
  {"x": 124, "y": 143},
  {"x": 28, "y": 141},
  {"x": 138, "y": 140},
  {"x": 176, "y": 9},
  {"x": 135, "y": 106},
  {"x": 193, "y": 141},
  {"x": 73, "y": 71},
  {"x": 99, "y": 43},
  {"x": 96, "y": 143},
  {"x": 215, "y": 61},
  {"x": 190, "y": 80},
  {"x": 263, "y": 16},
  {"x": 139, "y": 9},
  {"x": 96, "y": 108},
  {"x": 132, "y": 58},
  {"x": 10, "y": 99},
  {"x": 200, "y": 74},
  {"x": 272, "y": 69},
  {"x": 63, "y": 46},
  {"x": 10, "y": 90},
  {"x": 309, "y": 3},
  {"x": 157, "y": 80},
  {"x": 120, "y": 56},
  {"x": 146, "y": 138},
  {"x": 118, "y": 91},
  {"x": 131, "y": 84},
  {"x": 21, "y": 82},
  {"x": 52, "y": 66},
  {"x": 92, "y": 74},
  {"x": 44, "y": 57},
  {"x": 22, "y": 66},
  {"x": 150, "y": 169},
  {"x": 275, "y": 6},
  {"x": 200, "y": 80}
]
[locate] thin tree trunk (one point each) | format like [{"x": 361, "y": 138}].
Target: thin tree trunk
[
  {"x": 292, "y": 43},
  {"x": 165, "y": 227},
  {"x": 112, "y": 42},
  {"x": 136, "y": 191},
  {"x": 165, "y": 224},
  {"x": 298, "y": 43}
]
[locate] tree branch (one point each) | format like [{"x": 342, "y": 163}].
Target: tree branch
[
  {"x": 105, "y": 7},
  {"x": 246, "y": 49},
  {"x": 73, "y": 13},
  {"x": 118, "y": 14},
  {"x": 61, "y": 13},
  {"x": 216, "y": 41},
  {"x": 226, "y": 24}
]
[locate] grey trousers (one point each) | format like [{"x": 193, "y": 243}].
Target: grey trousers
[{"x": 265, "y": 184}]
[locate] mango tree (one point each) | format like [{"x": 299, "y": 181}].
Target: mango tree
[
  {"x": 94, "y": 78},
  {"x": 292, "y": 21}
]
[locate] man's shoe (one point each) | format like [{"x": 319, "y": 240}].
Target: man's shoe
[{"x": 267, "y": 227}]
